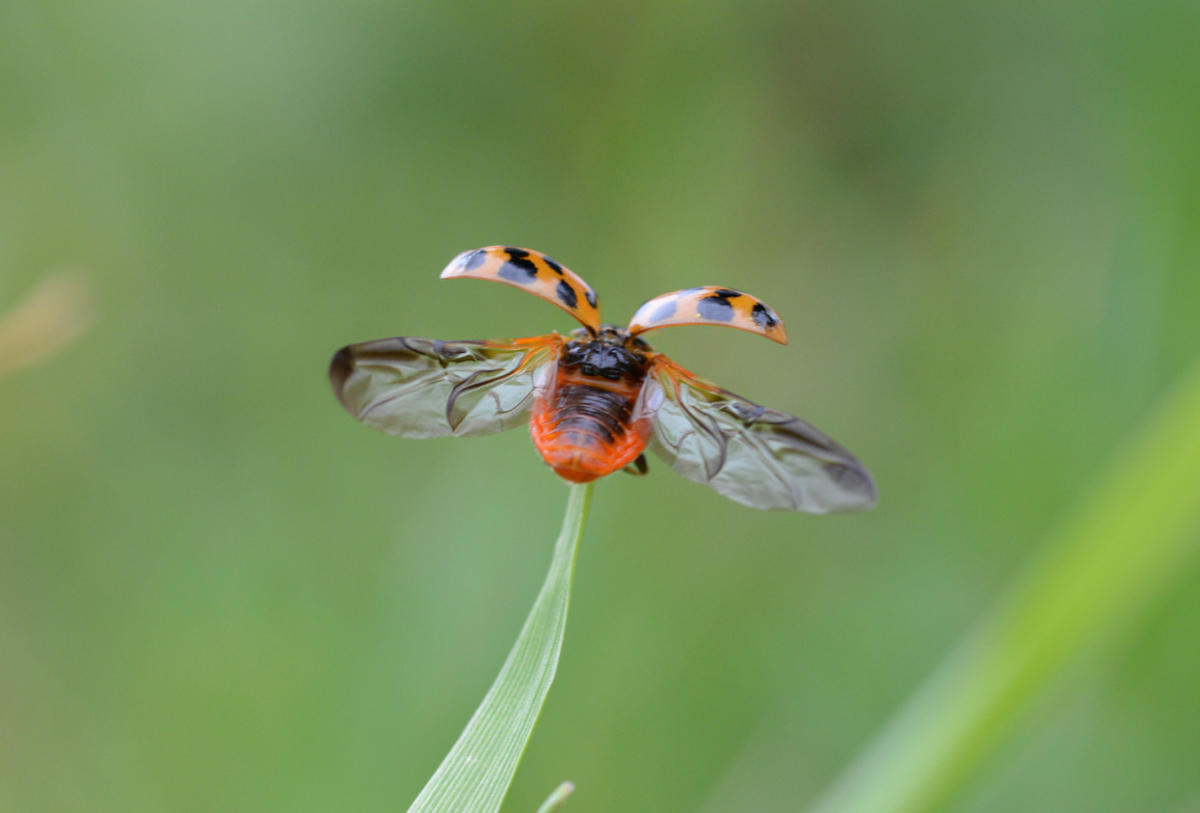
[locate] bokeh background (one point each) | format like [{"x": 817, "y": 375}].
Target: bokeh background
[{"x": 218, "y": 592}]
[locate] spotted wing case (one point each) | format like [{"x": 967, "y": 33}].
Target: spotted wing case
[
  {"x": 533, "y": 272},
  {"x": 710, "y": 305}
]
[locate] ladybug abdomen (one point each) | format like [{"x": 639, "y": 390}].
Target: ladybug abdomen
[{"x": 585, "y": 426}]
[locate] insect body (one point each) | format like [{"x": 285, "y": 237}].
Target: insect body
[
  {"x": 594, "y": 401},
  {"x": 586, "y": 422}
]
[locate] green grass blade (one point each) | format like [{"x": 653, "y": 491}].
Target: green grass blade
[
  {"x": 555, "y": 800},
  {"x": 476, "y": 773},
  {"x": 1123, "y": 541}
]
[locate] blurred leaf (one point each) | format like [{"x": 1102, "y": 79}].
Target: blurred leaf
[
  {"x": 1124, "y": 541},
  {"x": 476, "y": 773},
  {"x": 555, "y": 800},
  {"x": 53, "y": 314}
]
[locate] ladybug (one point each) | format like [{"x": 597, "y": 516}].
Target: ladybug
[{"x": 596, "y": 399}]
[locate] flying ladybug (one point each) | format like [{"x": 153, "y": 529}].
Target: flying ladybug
[{"x": 596, "y": 399}]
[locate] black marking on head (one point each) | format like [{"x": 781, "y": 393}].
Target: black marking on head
[
  {"x": 604, "y": 359},
  {"x": 726, "y": 293},
  {"x": 590, "y": 296},
  {"x": 716, "y": 308},
  {"x": 763, "y": 317},
  {"x": 475, "y": 259},
  {"x": 519, "y": 268},
  {"x": 555, "y": 267},
  {"x": 664, "y": 311},
  {"x": 567, "y": 294}
]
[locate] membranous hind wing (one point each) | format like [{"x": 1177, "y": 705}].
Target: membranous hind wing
[
  {"x": 424, "y": 388},
  {"x": 751, "y": 454}
]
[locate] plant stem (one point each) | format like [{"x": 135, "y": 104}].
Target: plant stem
[
  {"x": 555, "y": 800},
  {"x": 1124, "y": 540},
  {"x": 477, "y": 772}
]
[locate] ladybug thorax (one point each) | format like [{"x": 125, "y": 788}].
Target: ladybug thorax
[{"x": 611, "y": 355}]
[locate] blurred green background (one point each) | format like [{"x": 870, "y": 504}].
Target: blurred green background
[{"x": 218, "y": 592}]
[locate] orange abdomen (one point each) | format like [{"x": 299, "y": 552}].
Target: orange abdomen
[{"x": 585, "y": 426}]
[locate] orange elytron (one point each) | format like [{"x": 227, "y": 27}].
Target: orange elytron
[{"x": 596, "y": 399}]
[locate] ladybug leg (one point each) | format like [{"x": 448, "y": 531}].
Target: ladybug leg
[{"x": 638, "y": 467}]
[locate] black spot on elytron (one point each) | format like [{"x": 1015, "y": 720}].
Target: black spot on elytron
[
  {"x": 555, "y": 267},
  {"x": 475, "y": 259},
  {"x": 519, "y": 269},
  {"x": 715, "y": 307},
  {"x": 567, "y": 294},
  {"x": 516, "y": 253},
  {"x": 726, "y": 293},
  {"x": 590, "y": 296},
  {"x": 664, "y": 311},
  {"x": 763, "y": 317}
]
